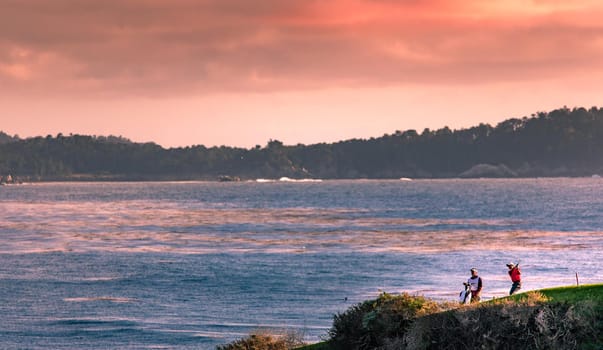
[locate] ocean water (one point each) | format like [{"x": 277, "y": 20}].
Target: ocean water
[{"x": 197, "y": 264}]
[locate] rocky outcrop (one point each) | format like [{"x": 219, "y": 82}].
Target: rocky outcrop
[{"x": 488, "y": 170}]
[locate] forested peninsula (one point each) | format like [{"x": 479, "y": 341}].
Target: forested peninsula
[{"x": 562, "y": 142}]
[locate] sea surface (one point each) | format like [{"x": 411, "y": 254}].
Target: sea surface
[{"x": 196, "y": 264}]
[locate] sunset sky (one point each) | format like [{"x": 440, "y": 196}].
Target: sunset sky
[{"x": 241, "y": 72}]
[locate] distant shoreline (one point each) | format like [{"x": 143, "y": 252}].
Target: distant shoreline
[
  {"x": 115, "y": 179},
  {"x": 561, "y": 143}
]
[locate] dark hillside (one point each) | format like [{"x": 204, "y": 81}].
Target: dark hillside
[{"x": 563, "y": 142}]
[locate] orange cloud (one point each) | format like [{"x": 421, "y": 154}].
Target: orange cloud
[{"x": 186, "y": 47}]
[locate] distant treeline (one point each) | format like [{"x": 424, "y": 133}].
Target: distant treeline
[{"x": 563, "y": 142}]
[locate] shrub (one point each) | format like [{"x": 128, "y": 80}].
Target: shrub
[
  {"x": 374, "y": 323},
  {"x": 531, "y": 324},
  {"x": 264, "y": 341},
  {"x": 531, "y": 321}
]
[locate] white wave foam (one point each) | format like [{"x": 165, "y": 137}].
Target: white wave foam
[
  {"x": 287, "y": 179},
  {"x": 101, "y": 298},
  {"x": 98, "y": 279}
]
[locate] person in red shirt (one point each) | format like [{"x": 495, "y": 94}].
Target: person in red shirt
[{"x": 515, "y": 275}]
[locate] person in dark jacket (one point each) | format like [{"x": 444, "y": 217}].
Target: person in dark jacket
[
  {"x": 476, "y": 286},
  {"x": 515, "y": 275}
]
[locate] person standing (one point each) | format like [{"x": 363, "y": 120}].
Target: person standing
[
  {"x": 515, "y": 275},
  {"x": 476, "y": 286}
]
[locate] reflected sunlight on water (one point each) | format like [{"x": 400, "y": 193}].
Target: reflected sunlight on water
[{"x": 135, "y": 226}]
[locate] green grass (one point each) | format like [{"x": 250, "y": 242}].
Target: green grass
[
  {"x": 570, "y": 294},
  {"x": 575, "y": 293},
  {"x": 317, "y": 346}
]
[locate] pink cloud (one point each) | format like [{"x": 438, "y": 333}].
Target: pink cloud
[{"x": 185, "y": 47}]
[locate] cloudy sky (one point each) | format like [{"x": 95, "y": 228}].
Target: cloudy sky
[{"x": 241, "y": 72}]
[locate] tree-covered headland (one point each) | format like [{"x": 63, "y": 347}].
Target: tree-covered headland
[{"x": 563, "y": 142}]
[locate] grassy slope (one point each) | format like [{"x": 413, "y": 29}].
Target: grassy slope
[
  {"x": 570, "y": 294},
  {"x": 573, "y": 293},
  {"x": 317, "y": 346}
]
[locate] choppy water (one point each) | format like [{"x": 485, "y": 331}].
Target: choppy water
[{"x": 193, "y": 265}]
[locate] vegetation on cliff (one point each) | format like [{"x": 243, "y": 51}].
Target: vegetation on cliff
[{"x": 556, "y": 318}]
